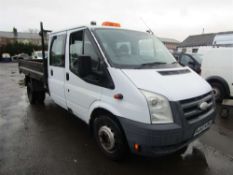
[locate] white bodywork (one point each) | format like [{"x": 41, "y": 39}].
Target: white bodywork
[
  {"x": 174, "y": 87},
  {"x": 219, "y": 62},
  {"x": 83, "y": 98}
]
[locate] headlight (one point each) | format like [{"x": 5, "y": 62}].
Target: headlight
[{"x": 159, "y": 107}]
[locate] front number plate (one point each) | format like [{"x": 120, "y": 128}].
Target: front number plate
[{"x": 202, "y": 128}]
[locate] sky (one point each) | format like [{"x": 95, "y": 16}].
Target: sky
[{"x": 167, "y": 18}]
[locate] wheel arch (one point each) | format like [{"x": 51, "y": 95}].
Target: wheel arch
[
  {"x": 98, "y": 111},
  {"x": 99, "y": 107},
  {"x": 220, "y": 80}
]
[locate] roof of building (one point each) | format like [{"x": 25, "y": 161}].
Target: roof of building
[
  {"x": 202, "y": 39},
  {"x": 168, "y": 40},
  {"x": 21, "y": 35}
]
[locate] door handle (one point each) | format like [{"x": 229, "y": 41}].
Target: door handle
[
  {"x": 67, "y": 76},
  {"x": 51, "y": 72}
]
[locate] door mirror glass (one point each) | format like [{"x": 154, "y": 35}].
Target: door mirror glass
[{"x": 84, "y": 66}]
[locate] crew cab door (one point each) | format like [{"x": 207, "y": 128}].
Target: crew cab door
[
  {"x": 80, "y": 93},
  {"x": 56, "y": 68}
]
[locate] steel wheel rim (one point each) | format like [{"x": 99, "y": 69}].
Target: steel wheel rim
[{"x": 106, "y": 138}]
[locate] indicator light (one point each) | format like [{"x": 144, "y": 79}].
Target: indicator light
[
  {"x": 118, "y": 96},
  {"x": 136, "y": 147}
]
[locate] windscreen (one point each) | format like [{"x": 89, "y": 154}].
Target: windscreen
[{"x": 133, "y": 49}]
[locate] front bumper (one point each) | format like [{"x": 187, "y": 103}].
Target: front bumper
[{"x": 162, "y": 139}]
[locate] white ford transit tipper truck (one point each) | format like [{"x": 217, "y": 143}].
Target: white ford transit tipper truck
[{"x": 126, "y": 86}]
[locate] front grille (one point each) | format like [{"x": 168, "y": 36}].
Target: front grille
[{"x": 191, "y": 107}]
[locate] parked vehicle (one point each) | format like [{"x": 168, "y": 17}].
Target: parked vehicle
[
  {"x": 6, "y": 57},
  {"x": 21, "y": 56},
  {"x": 38, "y": 55},
  {"x": 126, "y": 86},
  {"x": 217, "y": 69},
  {"x": 191, "y": 60}
]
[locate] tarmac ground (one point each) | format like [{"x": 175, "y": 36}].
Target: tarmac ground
[{"x": 46, "y": 140}]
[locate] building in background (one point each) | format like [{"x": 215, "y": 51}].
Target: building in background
[
  {"x": 193, "y": 42},
  {"x": 170, "y": 43},
  {"x": 21, "y": 37}
]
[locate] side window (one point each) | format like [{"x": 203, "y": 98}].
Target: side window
[
  {"x": 195, "y": 50},
  {"x": 76, "y": 49},
  {"x": 80, "y": 44},
  {"x": 185, "y": 59},
  {"x": 57, "y": 51}
]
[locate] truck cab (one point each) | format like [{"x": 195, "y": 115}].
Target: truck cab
[{"x": 129, "y": 89}]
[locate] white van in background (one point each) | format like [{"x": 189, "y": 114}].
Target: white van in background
[{"x": 217, "y": 69}]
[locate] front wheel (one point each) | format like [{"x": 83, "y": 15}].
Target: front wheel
[
  {"x": 110, "y": 138},
  {"x": 181, "y": 151}
]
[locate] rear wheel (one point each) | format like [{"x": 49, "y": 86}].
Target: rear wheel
[
  {"x": 110, "y": 138},
  {"x": 40, "y": 97},
  {"x": 31, "y": 94},
  {"x": 34, "y": 96}
]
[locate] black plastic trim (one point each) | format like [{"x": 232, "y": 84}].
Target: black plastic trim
[{"x": 160, "y": 139}]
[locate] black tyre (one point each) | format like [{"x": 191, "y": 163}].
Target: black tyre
[
  {"x": 219, "y": 91},
  {"x": 110, "y": 138},
  {"x": 181, "y": 151},
  {"x": 40, "y": 97},
  {"x": 224, "y": 113},
  {"x": 31, "y": 94}
]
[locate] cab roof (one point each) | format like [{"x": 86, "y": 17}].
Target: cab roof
[{"x": 91, "y": 27}]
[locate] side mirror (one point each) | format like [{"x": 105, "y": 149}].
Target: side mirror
[
  {"x": 191, "y": 64},
  {"x": 84, "y": 66}
]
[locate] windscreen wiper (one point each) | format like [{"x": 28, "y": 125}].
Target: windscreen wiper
[
  {"x": 151, "y": 64},
  {"x": 175, "y": 62}
]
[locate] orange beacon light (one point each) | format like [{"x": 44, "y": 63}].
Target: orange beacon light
[{"x": 112, "y": 24}]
